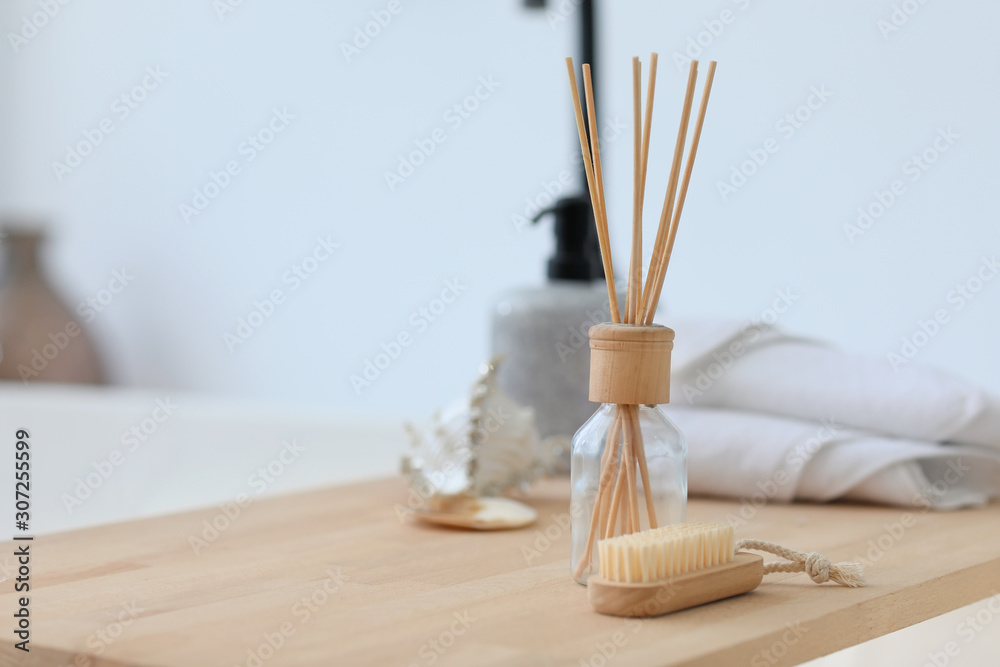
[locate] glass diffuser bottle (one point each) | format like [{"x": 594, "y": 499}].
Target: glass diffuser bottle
[{"x": 629, "y": 461}]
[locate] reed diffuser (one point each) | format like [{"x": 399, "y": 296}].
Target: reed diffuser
[{"x": 628, "y": 469}]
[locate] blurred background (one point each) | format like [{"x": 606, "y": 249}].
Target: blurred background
[
  {"x": 251, "y": 201},
  {"x": 206, "y": 151}
]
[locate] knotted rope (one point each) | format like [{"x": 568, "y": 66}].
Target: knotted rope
[{"x": 816, "y": 565}]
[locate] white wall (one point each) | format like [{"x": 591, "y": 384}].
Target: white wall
[{"x": 323, "y": 175}]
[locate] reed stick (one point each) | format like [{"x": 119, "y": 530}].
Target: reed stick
[
  {"x": 623, "y": 464},
  {"x": 595, "y": 147},
  {"x": 624, "y": 521},
  {"x": 613, "y": 463},
  {"x": 595, "y": 197},
  {"x": 647, "y": 126},
  {"x": 616, "y": 495},
  {"x": 607, "y": 474},
  {"x": 635, "y": 265},
  {"x": 602, "y": 523},
  {"x": 644, "y": 471},
  {"x": 654, "y": 277},
  {"x": 629, "y": 463},
  {"x": 634, "y": 463},
  {"x": 682, "y": 196}
]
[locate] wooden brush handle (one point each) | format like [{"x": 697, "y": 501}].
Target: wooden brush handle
[{"x": 643, "y": 600}]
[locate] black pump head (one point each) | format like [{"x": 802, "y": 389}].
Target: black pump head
[{"x": 575, "y": 257}]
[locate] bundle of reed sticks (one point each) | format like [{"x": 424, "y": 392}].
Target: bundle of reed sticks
[{"x": 616, "y": 508}]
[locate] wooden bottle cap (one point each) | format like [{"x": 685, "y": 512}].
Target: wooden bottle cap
[{"x": 630, "y": 364}]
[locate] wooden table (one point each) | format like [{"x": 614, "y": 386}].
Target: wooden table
[{"x": 335, "y": 577}]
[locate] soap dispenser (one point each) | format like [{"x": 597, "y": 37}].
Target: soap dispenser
[{"x": 541, "y": 332}]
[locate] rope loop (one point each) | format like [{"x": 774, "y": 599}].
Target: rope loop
[{"x": 816, "y": 565}]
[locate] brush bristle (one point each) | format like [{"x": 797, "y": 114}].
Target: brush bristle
[{"x": 652, "y": 555}]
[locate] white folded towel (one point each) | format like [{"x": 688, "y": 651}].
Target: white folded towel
[
  {"x": 873, "y": 433},
  {"x": 720, "y": 364},
  {"x": 763, "y": 458}
]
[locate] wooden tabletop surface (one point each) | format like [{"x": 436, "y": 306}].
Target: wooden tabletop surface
[{"x": 336, "y": 577}]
